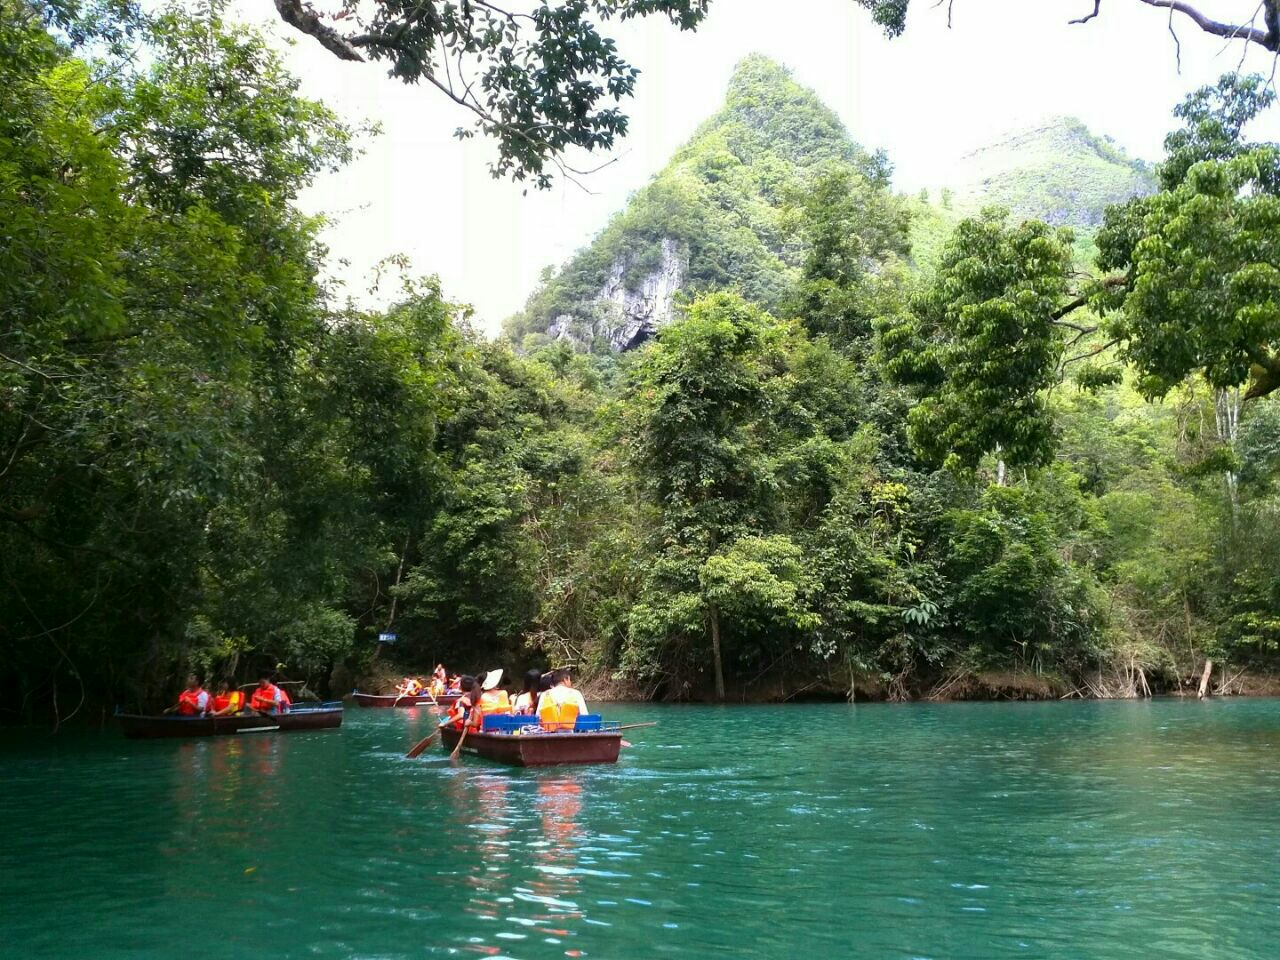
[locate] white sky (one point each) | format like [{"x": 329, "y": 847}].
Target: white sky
[{"x": 926, "y": 97}]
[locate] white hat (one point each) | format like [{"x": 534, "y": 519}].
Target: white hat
[{"x": 491, "y": 679}]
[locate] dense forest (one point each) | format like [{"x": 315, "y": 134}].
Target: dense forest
[{"x": 1027, "y": 463}]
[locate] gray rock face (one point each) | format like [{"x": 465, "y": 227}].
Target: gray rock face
[{"x": 627, "y": 316}]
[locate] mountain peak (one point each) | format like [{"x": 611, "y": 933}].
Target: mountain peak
[
  {"x": 711, "y": 218},
  {"x": 1057, "y": 170}
]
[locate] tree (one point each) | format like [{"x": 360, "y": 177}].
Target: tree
[
  {"x": 694, "y": 403},
  {"x": 892, "y": 15},
  {"x": 984, "y": 341},
  {"x": 537, "y": 82},
  {"x": 1200, "y": 260}
]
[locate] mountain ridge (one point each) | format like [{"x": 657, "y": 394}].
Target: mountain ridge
[{"x": 715, "y": 215}]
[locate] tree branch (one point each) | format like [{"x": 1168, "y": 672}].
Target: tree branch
[
  {"x": 1089, "y": 16},
  {"x": 305, "y": 21},
  {"x": 1268, "y": 39}
]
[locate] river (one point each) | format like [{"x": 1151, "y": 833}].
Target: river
[{"x": 1059, "y": 830}]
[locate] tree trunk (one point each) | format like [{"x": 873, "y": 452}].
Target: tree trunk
[
  {"x": 715, "y": 651},
  {"x": 1204, "y": 679}
]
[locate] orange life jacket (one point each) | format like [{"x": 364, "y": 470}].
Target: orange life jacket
[
  {"x": 557, "y": 716},
  {"x": 410, "y": 688},
  {"x": 235, "y": 700},
  {"x": 491, "y": 702},
  {"x": 189, "y": 702},
  {"x": 268, "y": 697},
  {"x": 457, "y": 713}
]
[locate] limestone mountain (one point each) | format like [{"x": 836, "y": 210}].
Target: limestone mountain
[
  {"x": 1058, "y": 172},
  {"x": 713, "y": 217},
  {"x": 716, "y": 215}
]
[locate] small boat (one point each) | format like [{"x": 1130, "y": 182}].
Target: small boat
[
  {"x": 391, "y": 700},
  {"x": 507, "y": 740},
  {"x": 321, "y": 716}
]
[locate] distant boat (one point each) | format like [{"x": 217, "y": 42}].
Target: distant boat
[
  {"x": 593, "y": 741},
  {"x": 321, "y": 716},
  {"x": 391, "y": 700}
]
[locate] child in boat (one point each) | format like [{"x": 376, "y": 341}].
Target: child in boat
[
  {"x": 560, "y": 707},
  {"x": 229, "y": 700},
  {"x": 193, "y": 701}
]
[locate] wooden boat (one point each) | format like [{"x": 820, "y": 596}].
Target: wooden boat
[
  {"x": 527, "y": 749},
  {"x": 391, "y": 700},
  {"x": 300, "y": 717}
]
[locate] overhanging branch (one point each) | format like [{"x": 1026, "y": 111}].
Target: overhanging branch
[{"x": 304, "y": 20}]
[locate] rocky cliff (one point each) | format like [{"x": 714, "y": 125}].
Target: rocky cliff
[{"x": 711, "y": 218}]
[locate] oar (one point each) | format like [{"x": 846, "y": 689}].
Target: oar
[
  {"x": 417, "y": 748},
  {"x": 462, "y": 739},
  {"x": 632, "y": 726}
]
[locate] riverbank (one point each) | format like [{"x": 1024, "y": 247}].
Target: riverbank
[{"x": 988, "y": 685}]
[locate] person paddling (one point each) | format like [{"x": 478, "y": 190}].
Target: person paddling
[
  {"x": 193, "y": 701},
  {"x": 560, "y": 707},
  {"x": 460, "y": 708},
  {"x": 268, "y": 698},
  {"x": 229, "y": 700}
]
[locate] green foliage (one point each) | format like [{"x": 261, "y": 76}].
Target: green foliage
[
  {"x": 539, "y": 83},
  {"x": 981, "y": 340}
]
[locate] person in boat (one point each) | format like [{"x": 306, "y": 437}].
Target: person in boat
[
  {"x": 228, "y": 701},
  {"x": 409, "y": 687},
  {"x": 455, "y": 685},
  {"x": 560, "y": 707},
  {"x": 439, "y": 681},
  {"x": 269, "y": 698},
  {"x": 460, "y": 709},
  {"x": 492, "y": 700},
  {"x": 526, "y": 700},
  {"x": 194, "y": 700}
]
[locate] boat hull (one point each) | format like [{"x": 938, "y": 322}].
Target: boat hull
[
  {"x": 538, "y": 749},
  {"x": 140, "y": 727},
  {"x": 391, "y": 700}
]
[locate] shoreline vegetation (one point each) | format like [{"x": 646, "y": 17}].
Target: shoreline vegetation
[{"x": 912, "y": 446}]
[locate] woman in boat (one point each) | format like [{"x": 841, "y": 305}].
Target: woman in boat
[
  {"x": 229, "y": 700},
  {"x": 492, "y": 700},
  {"x": 527, "y": 700},
  {"x": 193, "y": 701},
  {"x": 461, "y": 708}
]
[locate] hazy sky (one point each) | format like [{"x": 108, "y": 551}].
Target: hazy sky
[{"x": 926, "y": 97}]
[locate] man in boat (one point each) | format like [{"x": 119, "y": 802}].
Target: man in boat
[
  {"x": 492, "y": 700},
  {"x": 229, "y": 700},
  {"x": 409, "y": 687},
  {"x": 461, "y": 708},
  {"x": 193, "y": 701},
  {"x": 269, "y": 698},
  {"x": 560, "y": 707}
]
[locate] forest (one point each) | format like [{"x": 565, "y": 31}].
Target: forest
[{"x": 1028, "y": 463}]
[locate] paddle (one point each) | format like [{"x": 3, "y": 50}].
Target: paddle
[
  {"x": 462, "y": 739},
  {"x": 417, "y": 748},
  {"x": 632, "y": 726}
]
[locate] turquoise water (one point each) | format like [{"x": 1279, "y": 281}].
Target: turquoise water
[{"x": 1099, "y": 830}]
